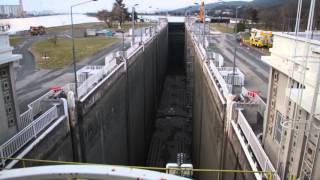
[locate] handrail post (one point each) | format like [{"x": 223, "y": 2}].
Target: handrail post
[
  {"x": 34, "y": 131},
  {"x": 2, "y": 156}
]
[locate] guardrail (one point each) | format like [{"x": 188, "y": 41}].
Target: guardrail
[
  {"x": 34, "y": 108},
  {"x": 13, "y": 145},
  {"x": 222, "y": 82},
  {"x": 253, "y": 142}
]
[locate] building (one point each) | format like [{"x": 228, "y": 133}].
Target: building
[
  {"x": 12, "y": 10},
  {"x": 292, "y": 121},
  {"x": 9, "y": 114}
]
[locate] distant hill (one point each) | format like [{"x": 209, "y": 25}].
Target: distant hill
[
  {"x": 268, "y": 2},
  {"x": 233, "y": 4}
]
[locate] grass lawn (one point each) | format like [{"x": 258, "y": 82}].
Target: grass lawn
[
  {"x": 98, "y": 25},
  {"x": 222, "y": 27},
  {"x": 14, "y": 40},
  {"x": 60, "y": 54}
]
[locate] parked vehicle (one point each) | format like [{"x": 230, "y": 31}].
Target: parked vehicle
[
  {"x": 37, "y": 30},
  {"x": 90, "y": 32},
  {"x": 260, "y": 38}
]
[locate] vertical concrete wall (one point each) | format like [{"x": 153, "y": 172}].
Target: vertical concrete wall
[
  {"x": 214, "y": 145},
  {"x": 116, "y": 119}
]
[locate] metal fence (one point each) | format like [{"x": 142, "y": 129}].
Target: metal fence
[
  {"x": 254, "y": 144},
  {"x": 218, "y": 76},
  {"x": 13, "y": 145},
  {"x": 34, "y": 108}
]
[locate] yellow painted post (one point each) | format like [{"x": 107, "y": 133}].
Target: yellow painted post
[{"x": 270, "y": 175}]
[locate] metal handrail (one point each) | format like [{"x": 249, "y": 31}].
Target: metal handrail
[
  {"x": 254, "y": 144},
  {"x": 34, "y": 108},
  {"x": 13, "y": 145}
]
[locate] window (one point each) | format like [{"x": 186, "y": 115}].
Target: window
[{"x": 278, "y": 127}]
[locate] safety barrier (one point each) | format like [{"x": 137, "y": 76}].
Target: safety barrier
[
  {"x": 218, "y": 76},
  {"x": 254, "y": 144},
  {"x": 34, "y": 108},
  {"x": 13, "y": 145},
  {"x": 227, "y": 74}
]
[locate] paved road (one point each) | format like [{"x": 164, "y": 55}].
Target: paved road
[
  {"x": 247, "y": 59},
  {"x": 32, "y": 83}
]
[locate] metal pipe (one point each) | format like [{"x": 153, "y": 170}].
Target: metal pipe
[
  {"x": 132, "y": 25},
  {"x": 74, "y": 55}
]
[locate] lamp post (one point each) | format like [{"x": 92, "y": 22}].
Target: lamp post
[
  {"x": 133, "y": 20},
  {"x": 73, "y": 46}
]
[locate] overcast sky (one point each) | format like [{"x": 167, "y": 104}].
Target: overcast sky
[{"x": 63, "y": 5}]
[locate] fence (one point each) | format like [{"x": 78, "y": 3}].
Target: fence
[
  {"x": 254, "y": 144},
  {"x": 218, "y": 76},
  {"x": 13, "y": 145},
  {"x": 227, "y": 74},
  {"x": 34, "y": 109}
]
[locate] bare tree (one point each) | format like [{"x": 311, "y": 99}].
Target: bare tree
[
  {"x": 119, "y": 11},
  {"x": 105, "y": 15}
]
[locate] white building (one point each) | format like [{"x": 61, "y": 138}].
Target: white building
[
  {"x": 12, "y": 10},
  {"x": 292, "y": 122},
  {"x": 9, "y": 114}
]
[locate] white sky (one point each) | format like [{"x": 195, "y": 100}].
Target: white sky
[{"x": 64, "y": 5}]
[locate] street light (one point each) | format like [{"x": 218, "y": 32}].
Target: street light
[
  {"x": 73, "y": 47},
  {"x": 133, "y": 22}
]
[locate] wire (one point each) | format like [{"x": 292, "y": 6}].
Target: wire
[{"x": 138, "y": 167}]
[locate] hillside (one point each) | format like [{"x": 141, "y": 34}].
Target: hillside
[{"x": 232, "y": 4}]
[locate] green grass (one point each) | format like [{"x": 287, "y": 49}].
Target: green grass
[
  {"x": 99, "y": 25},
  {"x": 60, "y": 54},
  {"x": 222, "y": 27},
  {"x": 15, "y": 40}
]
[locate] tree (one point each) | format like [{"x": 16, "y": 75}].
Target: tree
[
  {"x": 105, "y": 15},
  {"x": 119, "y": 12}
]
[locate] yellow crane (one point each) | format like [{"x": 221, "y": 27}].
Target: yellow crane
[{"x": 201, "y": 14}]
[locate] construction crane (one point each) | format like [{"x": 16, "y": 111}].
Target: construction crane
[{"x": 201, "y": 14}]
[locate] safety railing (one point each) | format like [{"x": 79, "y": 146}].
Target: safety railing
[
  {"x": 13, "y": 145},
  {"x": 218, "y": 76},
  {"x": 227, "y": 74},
  {"x": 254, "y": 144},
  {"x": 89, "y": 83},
  {"x": 34, "y": 108}
]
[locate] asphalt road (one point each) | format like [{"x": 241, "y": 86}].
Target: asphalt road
[
  {"x": 248, "y": 60},
  {"x": 32, "y": 83}
]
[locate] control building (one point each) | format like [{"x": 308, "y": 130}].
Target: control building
[
  {"x": 9, "y": 114},
  {"x": 292, "y": 121}
]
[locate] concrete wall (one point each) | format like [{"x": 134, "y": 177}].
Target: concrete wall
[
  {"x": 116, "y": 119},
  {"x": 214, "y": 146}
]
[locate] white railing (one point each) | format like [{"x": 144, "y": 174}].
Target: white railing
[
  {"x": 222, "y": 82},
  {"x": 227, "y": 74},
  {"x": 25, "y": 118},
  {"x": 13, "y": 145},
  {"x": 34, "y": 108},
  {"x": 254, "y": 144},
  {"x": 89, "y": 83}
]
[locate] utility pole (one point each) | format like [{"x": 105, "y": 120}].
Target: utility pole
[
  {"x": 132, "y": 25},
  {"x": 235, "y": 54}
]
